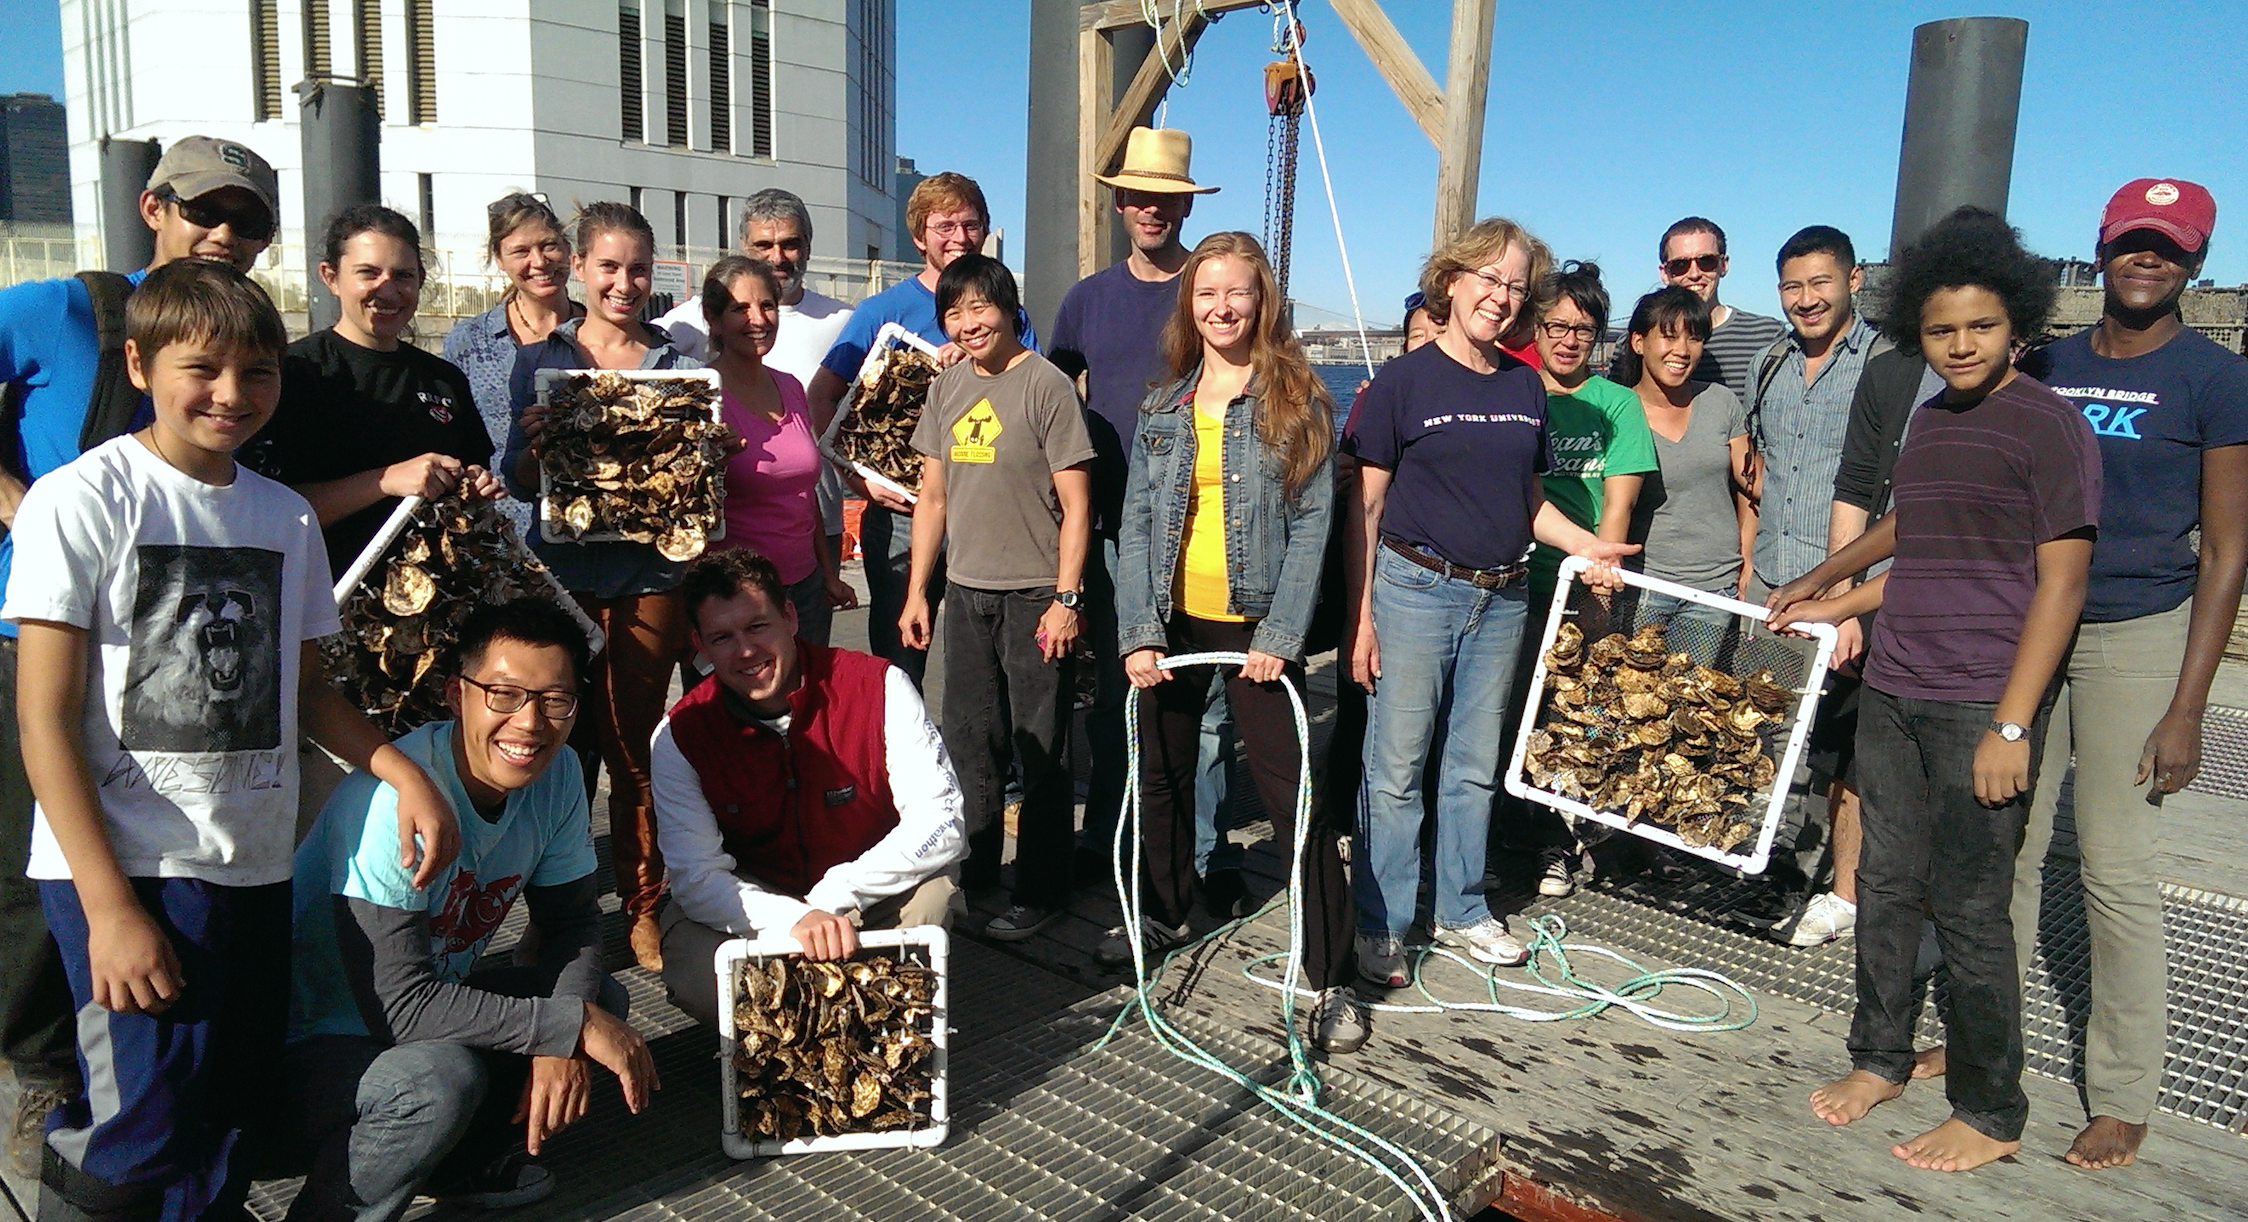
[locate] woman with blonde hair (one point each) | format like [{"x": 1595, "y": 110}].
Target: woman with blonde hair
[
  {"x": 1450, "y": 440},
  {"x": 1227, "y": 504},
  {"x": 629, "y": 589}
]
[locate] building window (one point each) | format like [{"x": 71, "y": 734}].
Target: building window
[
  {"x": 675, "y": 73},
  {"x": 367, "y": 27},
  {"x": 265, "y": 59},
  {"x": 428, "y": 196},
  {"x": 628, "y": 71},
  {"x": 725, "y": 235},
  {"x": 679, "y": 222},
  {"x": 634, "y": 199},
  {"x": 760, "y": 78},
  {"x": 318, "y": 65},
  {"x": 870, "y": 159},
  {"x": 421, "y": 61},
  {"x": 721, "y": 79}
]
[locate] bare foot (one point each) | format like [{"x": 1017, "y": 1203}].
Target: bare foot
[
  {"x": 1849, "y": 1098},
  {"x": 2107, "y": 1142},
  {"x": 1953, "y": 1145},
  {"x": 1929, "y": 1063}
]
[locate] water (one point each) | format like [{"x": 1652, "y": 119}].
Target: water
[{"x": 1342, "y": 382}]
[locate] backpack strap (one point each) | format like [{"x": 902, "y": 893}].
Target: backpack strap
[
  {"x": 1768, "y": 369},
  {"x": 114, "y": 400}
]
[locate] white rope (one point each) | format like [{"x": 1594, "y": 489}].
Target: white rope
[
  {"x": 1311, "y": 112},
  {"x": 1151, "y": 12}
]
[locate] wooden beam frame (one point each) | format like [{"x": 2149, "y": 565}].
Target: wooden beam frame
[
  {"x": 1467, "y": 84},
  {"x": 1407, "y": 77}
]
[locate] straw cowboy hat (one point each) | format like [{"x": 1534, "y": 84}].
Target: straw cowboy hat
[{"x": 1155, "y": 159}]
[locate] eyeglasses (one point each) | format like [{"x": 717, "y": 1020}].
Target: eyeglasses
[
  {"x": 250, "y": 222},
  {"x": 506, "y": 698},
  {"x": 1678, "y": 266},
  {"x": 1560, "y": 330},
  {"x": 1516, "y": 289},
  {"x": 954, "y": 229}
]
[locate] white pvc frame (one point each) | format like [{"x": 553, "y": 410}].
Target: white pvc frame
[{"x": 890, "y": 336}]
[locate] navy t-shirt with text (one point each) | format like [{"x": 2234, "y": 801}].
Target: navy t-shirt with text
[
  {"x": 1464, "y": 451},
  {"x": 2153, "y": 415}
]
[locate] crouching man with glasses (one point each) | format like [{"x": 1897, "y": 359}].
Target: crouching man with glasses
[
  {"x": 800, "y": 790},
  {"x": 410, "y": 1070}
]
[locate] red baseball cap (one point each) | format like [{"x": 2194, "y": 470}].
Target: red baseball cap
[{"x": 2182, "y": 211}]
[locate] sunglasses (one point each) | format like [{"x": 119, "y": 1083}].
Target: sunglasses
[
  {"x": 1678, "y": 266},
  {"x": 250, "y": 222}
]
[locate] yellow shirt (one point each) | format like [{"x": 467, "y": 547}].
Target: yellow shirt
[{"x": 1200, "y": 589}]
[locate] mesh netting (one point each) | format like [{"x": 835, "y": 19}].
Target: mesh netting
[{"x": 1669, "y": 715}]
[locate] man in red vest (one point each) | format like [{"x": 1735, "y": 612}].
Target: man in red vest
[{"x": 800, "y": 790}]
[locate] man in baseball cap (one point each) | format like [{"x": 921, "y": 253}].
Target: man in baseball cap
[
  {"x": 2169, "y": 407},
  {"x": 211, "y": 199}
]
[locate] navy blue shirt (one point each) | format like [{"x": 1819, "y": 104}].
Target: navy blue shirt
[
  {"x": 49, "y": 352},
  {"x": 1111, "y": 327},
  {"x": 2152, "y": 415},
  {"x": 1464, "y": 450}
]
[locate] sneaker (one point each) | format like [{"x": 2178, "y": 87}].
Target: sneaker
[
  {"x": 1019, "y": 922},
  {"x": 504, "y": 1183},
  {"x": 27, "y": 1131},
  {"x": 1381, "y": 960},
  {"x": 1827, "y": 917},
  {"x": 1338, "y": 1021},
  {"x": 1156, "y": 940},
  {"x": 1553, "y": 872},
  {"x": 1486, "y": 940}
]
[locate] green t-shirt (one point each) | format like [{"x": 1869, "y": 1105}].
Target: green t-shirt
[{"x": 1597, "y": 432}]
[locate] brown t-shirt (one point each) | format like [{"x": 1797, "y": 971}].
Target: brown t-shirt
[
  {"x": 1001, "y": 439},
  {"x": 1978, "y": 488}
]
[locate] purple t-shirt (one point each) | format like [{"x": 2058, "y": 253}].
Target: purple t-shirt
[
  {"x": 1978, "y": 489},
  {"x": 1464, "y": 451},
  {"x": 769, "y": 482},
  {"x": 1111, "y": 327}
]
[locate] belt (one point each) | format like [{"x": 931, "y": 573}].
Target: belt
[{"x": 1488, "y": 579}]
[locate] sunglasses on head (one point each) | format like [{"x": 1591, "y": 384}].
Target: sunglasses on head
[
  {"x": 250, "y": 222},
  {"x": 1678, "y": 266}
]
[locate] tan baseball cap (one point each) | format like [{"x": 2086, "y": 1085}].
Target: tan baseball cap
[{"x": 198, "y": 165}]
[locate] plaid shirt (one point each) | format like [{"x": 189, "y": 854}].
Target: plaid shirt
[{"x": 1799, "y": 431}]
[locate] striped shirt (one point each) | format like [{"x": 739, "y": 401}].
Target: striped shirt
[
  {"x": 1799, "y": 430},
  {"x": 1979, "y": 488},
  {"x": 1730, "y": 354}
]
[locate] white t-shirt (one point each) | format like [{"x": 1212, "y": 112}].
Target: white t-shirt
[
  {"x": 807, "y": 330},
  {"x": 197, "y": 600}
]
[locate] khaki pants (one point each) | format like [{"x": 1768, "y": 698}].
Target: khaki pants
[
  {"x": 689, "y": 947},
  {"x": 2117, "y": 684}
]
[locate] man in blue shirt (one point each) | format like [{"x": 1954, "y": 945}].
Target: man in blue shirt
[
  {"x": 207, "y": 199},
  {"x": 948, "y": 219},
  {"x": 407, "y": 1070}
]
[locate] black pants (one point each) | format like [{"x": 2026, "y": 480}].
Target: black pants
[
  {"x": 1007, "y": 708},
  {"x": 1931, "y": 847},
  {"x": 36, "y": 1032},
  {"x": 1171, "y": 737}
]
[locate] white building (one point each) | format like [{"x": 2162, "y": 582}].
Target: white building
[{"x": 683, "y": 107}]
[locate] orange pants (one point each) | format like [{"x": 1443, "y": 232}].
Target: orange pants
[{"x": 624, "y": 699}]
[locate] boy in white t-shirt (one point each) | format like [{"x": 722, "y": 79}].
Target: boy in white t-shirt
[{"x": 169, "y": 603}]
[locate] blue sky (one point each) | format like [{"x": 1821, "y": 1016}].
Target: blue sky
[{"x": 1606, "y": 123}]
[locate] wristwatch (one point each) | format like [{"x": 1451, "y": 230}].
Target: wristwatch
[
  {"x": 1069, "y": 598},
  {"x": 2011, "y": 731}
]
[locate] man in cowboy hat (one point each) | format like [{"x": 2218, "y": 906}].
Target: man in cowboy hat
[{"x": 1110, "y": 329}]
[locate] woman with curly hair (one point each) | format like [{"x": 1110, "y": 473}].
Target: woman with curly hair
[
  {"x": 1997, "y": 503},
  {"x": 1227, "y": 504}
]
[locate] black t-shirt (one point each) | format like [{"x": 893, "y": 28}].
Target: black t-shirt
[{"x": 346, "y": 409}]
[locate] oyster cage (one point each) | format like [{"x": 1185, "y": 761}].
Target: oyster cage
[
  {"x": 1694, "y": 778},
  {"x": 686, "y": 497},
  {"x": 854, "y": 437},
  {"x": 924, "y": 946}
]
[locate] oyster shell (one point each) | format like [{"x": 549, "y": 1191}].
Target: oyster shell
[
  {"x": 633, "y": 459},
  {"x": 824, "y": 1048}
]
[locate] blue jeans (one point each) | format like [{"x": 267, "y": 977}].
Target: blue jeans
[
  {"x": 1656, "y": 607},
  {"x": 886, "y": 549},
  {"x": 1448, "y": 656},
  {"x": 1213, "y": 813}
]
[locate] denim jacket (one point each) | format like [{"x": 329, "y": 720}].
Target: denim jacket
[{"x": 1273, "y": 546}]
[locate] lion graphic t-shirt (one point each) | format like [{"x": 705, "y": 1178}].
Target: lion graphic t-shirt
[
  {"x": 1001, "y": 439},
  {"x": 542, "y": 838},
  {"x": 197, "y": 600}
]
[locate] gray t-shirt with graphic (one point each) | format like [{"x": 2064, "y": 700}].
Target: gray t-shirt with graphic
[{"x": 1001, "y": 438}]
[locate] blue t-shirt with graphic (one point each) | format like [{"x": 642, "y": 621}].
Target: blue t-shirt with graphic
[
  {"x": 49, "y": 352},
  {"x": 2153, "y": 415},
  {"x": 543, "y": 838},
  {"x": 910, "y": 304}
]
